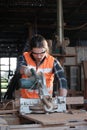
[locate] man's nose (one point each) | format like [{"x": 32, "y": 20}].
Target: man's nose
[{"x": 38, "y": 55}]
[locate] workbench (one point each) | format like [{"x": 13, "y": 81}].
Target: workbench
[
  {"x": 72, "y": 119},
  {"x": 75, "y": 119},
  {"x": 39, "y": 127},
  {"x": 57, "y": 118}
]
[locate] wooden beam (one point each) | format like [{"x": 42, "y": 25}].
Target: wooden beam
[{"x": 74, "y": 100}]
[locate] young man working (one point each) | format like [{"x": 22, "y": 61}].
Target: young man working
[{"x": 40, "y": 60}]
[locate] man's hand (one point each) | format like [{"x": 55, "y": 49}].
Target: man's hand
[
  {"x": 63, "y": 92},
  {"x": 25, "y": 70}
]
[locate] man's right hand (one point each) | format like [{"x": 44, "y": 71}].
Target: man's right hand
[{"x": 25, "y": 70}]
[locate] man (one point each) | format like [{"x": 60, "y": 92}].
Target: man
[{"x": 40, "y": 60}]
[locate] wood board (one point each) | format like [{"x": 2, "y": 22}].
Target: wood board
[
  {"x": 82, "y": 126},
  {"x": 57, "y": 118}
]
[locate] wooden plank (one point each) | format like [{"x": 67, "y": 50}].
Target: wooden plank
[
  {"x": 75, "y": 100},
  {"x": 56, "y": 118},
  {"x": 23, "y": 127},
  {"x": 8, "y": 111}
]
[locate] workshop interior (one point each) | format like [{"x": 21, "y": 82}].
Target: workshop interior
[{"x": 64, "y": 25}]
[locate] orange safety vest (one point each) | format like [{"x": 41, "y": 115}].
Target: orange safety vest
[{"x": 46, "y": 68}]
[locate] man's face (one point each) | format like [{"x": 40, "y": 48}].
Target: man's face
[{"x": 39, "y": 53}]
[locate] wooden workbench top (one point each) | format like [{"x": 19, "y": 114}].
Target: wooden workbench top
[{"x": 57, "y": 118}]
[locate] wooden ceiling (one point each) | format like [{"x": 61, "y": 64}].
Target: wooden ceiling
[{"x": 17, "y": 16}]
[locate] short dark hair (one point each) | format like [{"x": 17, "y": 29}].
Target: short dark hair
[{"x": 38, "y": 41}]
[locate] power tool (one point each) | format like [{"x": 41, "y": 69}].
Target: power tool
[{"x": 45, "y": 103}]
